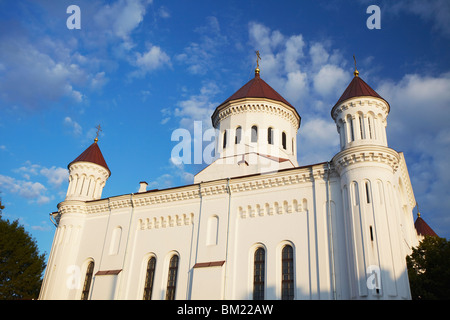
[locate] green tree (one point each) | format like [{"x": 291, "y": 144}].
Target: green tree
[
  {"x": 429, "y": 269},
  {"x": 21, "y": 265}
]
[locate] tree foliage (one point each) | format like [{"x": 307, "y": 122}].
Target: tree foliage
[
  {"x": 21, "y": 265},
  {"x": 429, "y": 269}
]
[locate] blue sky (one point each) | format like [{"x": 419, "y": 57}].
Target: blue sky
[{"x": 143, "y": 69}]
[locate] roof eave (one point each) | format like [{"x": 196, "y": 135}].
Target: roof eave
[{"x": 253, "y": 99}]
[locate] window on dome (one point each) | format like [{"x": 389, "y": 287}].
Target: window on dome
[
  {"x": 254, "y": 134},
  {"x": 238, "y": 135},
  {"x": 225, "y": 139},
  {"x": 283, "y": 140},
  {"x": 352, "y": 133},
  {"x": 361, "y": 129},
  {"x": 367, "y": 192},
  {"x": 259, "y": 274},
  {"x": 270, "y": 135}
]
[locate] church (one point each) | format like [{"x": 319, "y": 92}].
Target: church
[{"x": 254, "y": 224}]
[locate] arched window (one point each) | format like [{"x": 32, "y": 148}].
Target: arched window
[
  {"x": 352, "y": 132},
  {"x": 361, "y": 128},
  {"x": 150, "y": 275},
  {"x": 367, "y": 192},
  {"x": 254, "y": 134},
  {"x": 172, "y": 278},
  {"x": 238, "y": 135},
  {"x": 283, "y": 140},
  {"x": 259, "y": 274},
  {"x": 87, "y": 281},
  {"x": 371, "y": 126},
  {"x": 287, "y": 273},
  {"x": 270, "y": 135},
  {"x": 224, "y": 139}
]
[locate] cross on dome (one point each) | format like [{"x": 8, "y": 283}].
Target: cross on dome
[{"x": 99, "y": 128}]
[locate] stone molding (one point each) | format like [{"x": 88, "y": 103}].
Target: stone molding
[
  {"x": 282, "y": 178},
  {"x": 87, "y": 168},
  {"x": 260, "y": 105},
  {"x": 173, "y": 220},
  {"x": 360, "y": 102},
  {"x": 369, "y": 154}
]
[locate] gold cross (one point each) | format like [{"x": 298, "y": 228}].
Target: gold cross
[
  {"x": 98, "y": 131},
  {"x": 258, "y": 57},
  {"x": 356, "y": 72}
]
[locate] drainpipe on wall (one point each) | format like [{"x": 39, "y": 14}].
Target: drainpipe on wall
[
  {"x": 228, "y": 233},
  {"x": 330, "y": 231},
  {"x": 119, "y": 291}
]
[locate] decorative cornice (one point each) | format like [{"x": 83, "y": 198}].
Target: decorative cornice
[
  {"x": 174, "y": 220},
  {"x": 406, "y": 181},
  {"x": 191, "y": 192},
  {"x": 83, "y": 167},
  {"x": 275, "y": 208},
  {"x": 361, "y": 154},
  {"x": 360, "y": 102},
  {"x": 259, "y": 105}
]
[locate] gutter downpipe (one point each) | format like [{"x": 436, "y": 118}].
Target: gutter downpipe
[
  {"x": 330, "y": 232},
  {"x": 190, "y": 269},
  {"x": 122, "y": 276},
  {"x": 228, "y": 233}
]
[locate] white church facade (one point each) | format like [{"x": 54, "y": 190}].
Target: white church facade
[{"x": 253, "y": 225}]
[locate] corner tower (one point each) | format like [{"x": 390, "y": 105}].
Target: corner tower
[
  {"x": 375, "y": 212},
  {"x": 360, "y": 115},
  {"x": 87, "y": 175}
]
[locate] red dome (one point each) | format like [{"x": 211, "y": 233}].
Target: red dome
[{"x": 93, "y": 155}]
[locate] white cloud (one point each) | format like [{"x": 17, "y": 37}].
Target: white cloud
[
  {"x": 319, "y": 56},
  {"x": 318, "y": 141},
  {"x": 177, "y": 172},
  {"x": 73, "y": 126},
  {"x": 418, "y": 103},
  {"x": 330, "y": 80},
  {"x": 33, "y": 191},
  {"x": 43, "y": 226},
  {"x": 98, "y": 80},
  {"x": 199, "y": 56},
  {"x": 198, "y": 107},
  {"x": 55, "y": 176},
  {"x": 418, "y": 125},
  {"x": 296, "y": 86},
  {"x": 266, "y": 39},
  {"x": 293, "y": 52},
  {"x": 121, "y": 17},
  {"x": 436, "y": 11},
  {"x": 164, "y": 12},
  {"x": 32, "y": 76},
  {"x": 153, "y": 59}
]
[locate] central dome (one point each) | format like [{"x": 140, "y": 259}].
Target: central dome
[{"x": 256, "y": 88}]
